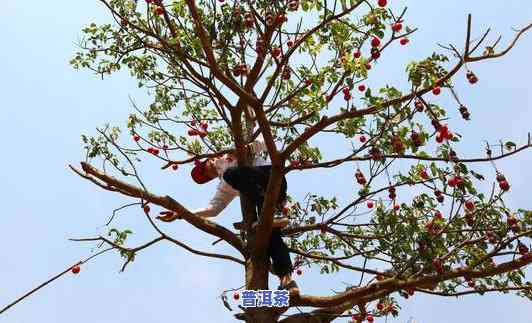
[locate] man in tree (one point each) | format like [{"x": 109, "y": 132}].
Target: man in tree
[{"x": 250, "y": 182}]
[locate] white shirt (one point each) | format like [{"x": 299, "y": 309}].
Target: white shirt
[{"x": 224, "y": 192}]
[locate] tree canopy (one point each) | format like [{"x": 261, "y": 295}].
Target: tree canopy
[{"x": 225, "y": 72}]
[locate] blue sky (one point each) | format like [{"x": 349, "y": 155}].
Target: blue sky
[{"x": 46, "y": 105}]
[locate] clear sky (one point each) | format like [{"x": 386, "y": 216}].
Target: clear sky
[{"x": 45, "y": 105}]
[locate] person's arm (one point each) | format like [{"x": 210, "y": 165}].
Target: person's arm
[{"x": 224, "y": 195}]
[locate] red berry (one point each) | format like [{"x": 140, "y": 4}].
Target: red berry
[
  {"x": 382, "y": 3},
  {"x": 396, "y": 207},
  {"x": 299, "y": 272},
  {"x": 362, "y": 88},
  {"x": 423, "y": 174},
  {"x": 308, "y": 82},
  {"x": 470, "y": 205},
  {"x": 370, "y": 204},
  {"x": 276, "y": 51},
  {"x": 500, "y": 178},
  {"x": 345, "y": 90},
  {"x": 192, "y": 132},
  {"x": 397, "y": 26},
  {"x": 76, "y": 269},
  {"x": 370, "y": 318},
  {"x": 375, "y": 53},
  {"x": 236, "y": 296},
  {"x": 357, "y": 54},
  {"x": 404, "y": 41},
  {"x": 136, "y": 137},
  {"x": 290, "y": 43},
  {"x": 504, "y": 185},
  {"x": 146, "y": 209},
  {"x": 175, "y": 166},
  {"x": 362, "y": 139},
  {"x": 159, "y": 11},
  {"x": 436, "y": 90},
  {"x": 204, "y": 125},
  {"x": 155, "y": 151},
  {"x": 523, "y": 250},
  {"x": 375, "y": 42}
]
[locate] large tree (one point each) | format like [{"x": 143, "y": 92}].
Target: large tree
[{"x": 225, "y": 72}]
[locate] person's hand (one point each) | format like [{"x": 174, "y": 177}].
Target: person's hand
[{"x": 168, "y": 216}]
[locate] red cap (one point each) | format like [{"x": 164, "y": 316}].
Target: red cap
[{"x": 199, "y": 172}]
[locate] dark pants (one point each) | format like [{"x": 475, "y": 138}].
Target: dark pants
[{"x": 252, "y": 182}]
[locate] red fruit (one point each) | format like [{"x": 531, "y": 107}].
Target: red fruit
[
  {"x": 470, "y": 205},
  {"x": 382, "y": 3},
  {"x": 347, "y": 97},
  {"x": 500, "y": 178},
  {"x": 159, "y": 11},
  {"x": 504, "y": 185},
  {"x": 357, "y": 54},
  {"x": 438, "y": 215},
  {"x": 299, "y": 272},
  {"x": 370, "y": 204},
  {"x": 397, "y": 26},
  {"x": 192, "y": 132},
  {"x": 439, "y": 138},
  {"x": 76, "y": 269},
  {"x": 370, "y": 318},
  {"x": 175, "y": 166},
  {"x": 155, "y": 151},
  {"x": 410, "y": 291},
  {"x": 440, "y": 198},
  {"x": 165, "y": 146},
  {"x": 362, "y": 139},
  {"x": 404, "y": 41},
  {"x": 293, "y": 5},
  {"x": 452, "y": 182},
  {"x": 471, "y": 284},
  {"x": 285, "y": 210},
  {"x": 308, "y": 82},
  {"x": 375, "y": 42},
  {"x": 204, "y": 125},
  {"x": 512, "y": 221},
  {"x": 523, "y": 250},
  {"x": 419, "y": 106},
  {"x": 423, "y": 174},
  {"x": 236, "y": 296},
  {"x": 375, "y": 53},
  {"x": 136, "y": 137},
  {"x": 290, "y": 43},
  {"x": 396, "y": 207},
  {"x": 146, "y": 209},
  {"x": 276, "y": 51},
  {"x": 281, "y": 18},
  {"x": 362, "y": 88},
  {"x": 368, "y": 66},
  {"x": 437, "y": 265},
  {"x": 436, "y": 90},
  {"x": 380, "y": 306},
  {"x": 345, "y": 90},
  {"x": 295, "y": 163}
]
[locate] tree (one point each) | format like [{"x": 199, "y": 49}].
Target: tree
[{"x": 294, "y": 69}]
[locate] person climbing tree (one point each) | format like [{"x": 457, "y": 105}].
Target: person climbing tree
[{"x": 250, "y": 181}]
